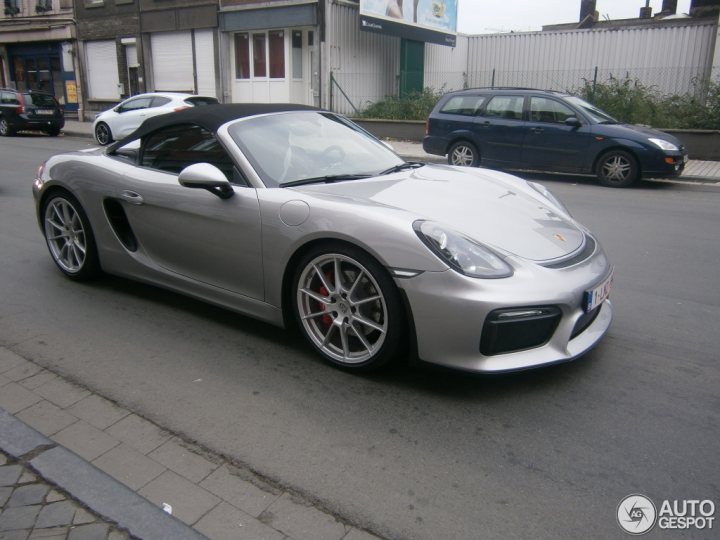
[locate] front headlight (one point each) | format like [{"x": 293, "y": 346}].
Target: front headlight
[
  {"x": 545, "y": 192},
  {"x": 461, "y": 253},
  {"x": 665, "y": 145}
]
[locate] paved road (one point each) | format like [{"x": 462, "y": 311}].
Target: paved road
[{"x": 417, "y": 453}]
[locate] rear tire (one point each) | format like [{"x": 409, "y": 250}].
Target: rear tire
[
  {"x": 617, "y": 168},
  {"x": 69, "y": 237},
  {"x": 5, "y": 129},
  {"x": 463, "y": 154},
  {"x": 53, "y": 132},
  {"x": 103, "y": 135}
]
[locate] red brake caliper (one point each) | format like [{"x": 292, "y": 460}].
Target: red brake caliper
[{"x": 326, "y": 319}]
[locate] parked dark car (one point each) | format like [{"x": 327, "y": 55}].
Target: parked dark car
[
  {"x": 29, "y": 111},
  {"x": 518, "y": 128}
]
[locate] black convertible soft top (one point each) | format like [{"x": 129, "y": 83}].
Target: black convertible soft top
[{"x": 210, "y": 117}]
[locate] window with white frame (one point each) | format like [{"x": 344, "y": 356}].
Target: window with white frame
[{"x": 260, "y": 55}]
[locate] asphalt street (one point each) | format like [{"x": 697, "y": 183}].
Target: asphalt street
[{"x": 417, "y": 452}]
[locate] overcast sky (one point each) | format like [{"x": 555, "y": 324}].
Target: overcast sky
[{"x": 491, "y": 16}]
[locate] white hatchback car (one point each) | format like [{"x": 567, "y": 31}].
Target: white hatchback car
[{"x": 120, "y": 121}]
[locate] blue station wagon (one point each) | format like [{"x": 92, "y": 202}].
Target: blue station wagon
[{"x": 514, "y": 128}]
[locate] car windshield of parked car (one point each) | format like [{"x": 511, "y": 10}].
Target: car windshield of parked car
[
  {"x": 596, "y": 115},
  {"x": 290, "y": 147}
]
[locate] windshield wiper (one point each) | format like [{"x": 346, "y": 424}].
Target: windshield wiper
[
  {"x": 327, "y": 179},
  {"x": 401, "y": 167}
]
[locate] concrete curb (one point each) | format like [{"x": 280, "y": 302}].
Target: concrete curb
[{"x": 89, "y": 485}]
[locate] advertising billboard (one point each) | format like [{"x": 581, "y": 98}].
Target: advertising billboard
[{"x": 433, "y": 21}]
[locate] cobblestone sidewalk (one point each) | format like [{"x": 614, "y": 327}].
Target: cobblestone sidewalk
[
  {"x": 32, "y": 508},
  {"x": 103, "y": 455}
]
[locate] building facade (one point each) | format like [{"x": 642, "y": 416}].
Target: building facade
[{"x": 37, "y": 49}]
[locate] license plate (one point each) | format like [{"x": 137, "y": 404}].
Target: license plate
[
  {"x": 45, "y": 111},
  {"x": 596, "y": 296}
]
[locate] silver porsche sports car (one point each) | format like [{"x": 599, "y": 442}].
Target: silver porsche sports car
[{"x": 297, "y": 216}]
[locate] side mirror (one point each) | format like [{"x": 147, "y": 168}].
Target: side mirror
[
  {"x": 572, "y": 121},
  {"x": 206, "y": 176}
]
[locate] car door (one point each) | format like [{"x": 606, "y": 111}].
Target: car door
[
  {"x": 500, "y": 129},
  {"x": 193, "y": 232},
  {"x": 549, "y": 142},
  {"x": 130, "y": 115}
]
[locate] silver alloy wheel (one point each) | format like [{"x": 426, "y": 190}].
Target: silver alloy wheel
[
  {"x": 462, "y": 155},
  {"x": 65, "y": 235},
  {"x": 4, "y": 129},
  {"x": 102, "y": 134},
  {"x": 342, "y": 308},
  {"x": 617, "y": 168}
]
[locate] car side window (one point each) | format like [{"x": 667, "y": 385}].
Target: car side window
[
  {"x": 9, "y": 98},
  {"x": 549, "y": 110},
  {"x": 135, "y": 104},
  {"x": 510, "y": 107},
  {"x": 159, "y": 101},
  {"x": 464, "y": 105},
  {"x": 173, "y": 148}
]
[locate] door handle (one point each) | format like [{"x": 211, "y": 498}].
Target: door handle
[
  {"x": 536, "y": 129},
  {"x": 132, "y": 197}
]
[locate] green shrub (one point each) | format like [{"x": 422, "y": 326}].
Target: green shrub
[
  {"x": 630, "y": 101},
  {"x": 411, "y": 106}
]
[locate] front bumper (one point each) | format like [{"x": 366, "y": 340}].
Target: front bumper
[
  {"x": 664, "y": 164},
  {"x": 450, "y": 311}
]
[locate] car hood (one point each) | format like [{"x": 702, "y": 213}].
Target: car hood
[
  {"x": 634, "y": 131},
  {"x": 493, "y": 208}
]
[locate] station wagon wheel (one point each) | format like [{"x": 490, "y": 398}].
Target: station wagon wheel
[
  {"x": 5, "y": 130},
  {"x": 617, "y": 168},
  {"x": 348, "y": 307},
  {"x": 103, "y": 135},
  {"x": 463, "y": 154},
  {"x": 69, "y": 237}
]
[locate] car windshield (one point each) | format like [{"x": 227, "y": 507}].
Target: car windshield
[
  {"x": 39, "y": 100},
  {"x": 596, "y": 115},
  {"x": 304, "y": 146}
]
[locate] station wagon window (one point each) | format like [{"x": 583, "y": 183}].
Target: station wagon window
[
  {"x": 173, "y": 148},
  {"x": 9, "y": 98},
  {"x": 510, "y": 107},
  {"x": 465, "y": 105},
  {"x": 549, "y": 110}
]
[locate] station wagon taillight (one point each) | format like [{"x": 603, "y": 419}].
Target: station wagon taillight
[{"x": 20, "y": 108}]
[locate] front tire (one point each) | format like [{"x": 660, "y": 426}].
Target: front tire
[
  {"x": 69, "y": 237},
  {"x": 348, "y": 307},
  {"x": 103, "y": 135},
  {"x": 617, "y": 168},
  {"x": 463, "y": 154}
]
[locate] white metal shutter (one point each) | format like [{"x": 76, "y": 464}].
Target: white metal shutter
[
  {"x": 102, "y": 70},
  {"x": 205, "y": 62},
  {"x": 172, "y": 61}
]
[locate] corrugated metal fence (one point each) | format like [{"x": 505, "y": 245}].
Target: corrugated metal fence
[{"x": 670, "y": 58}]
